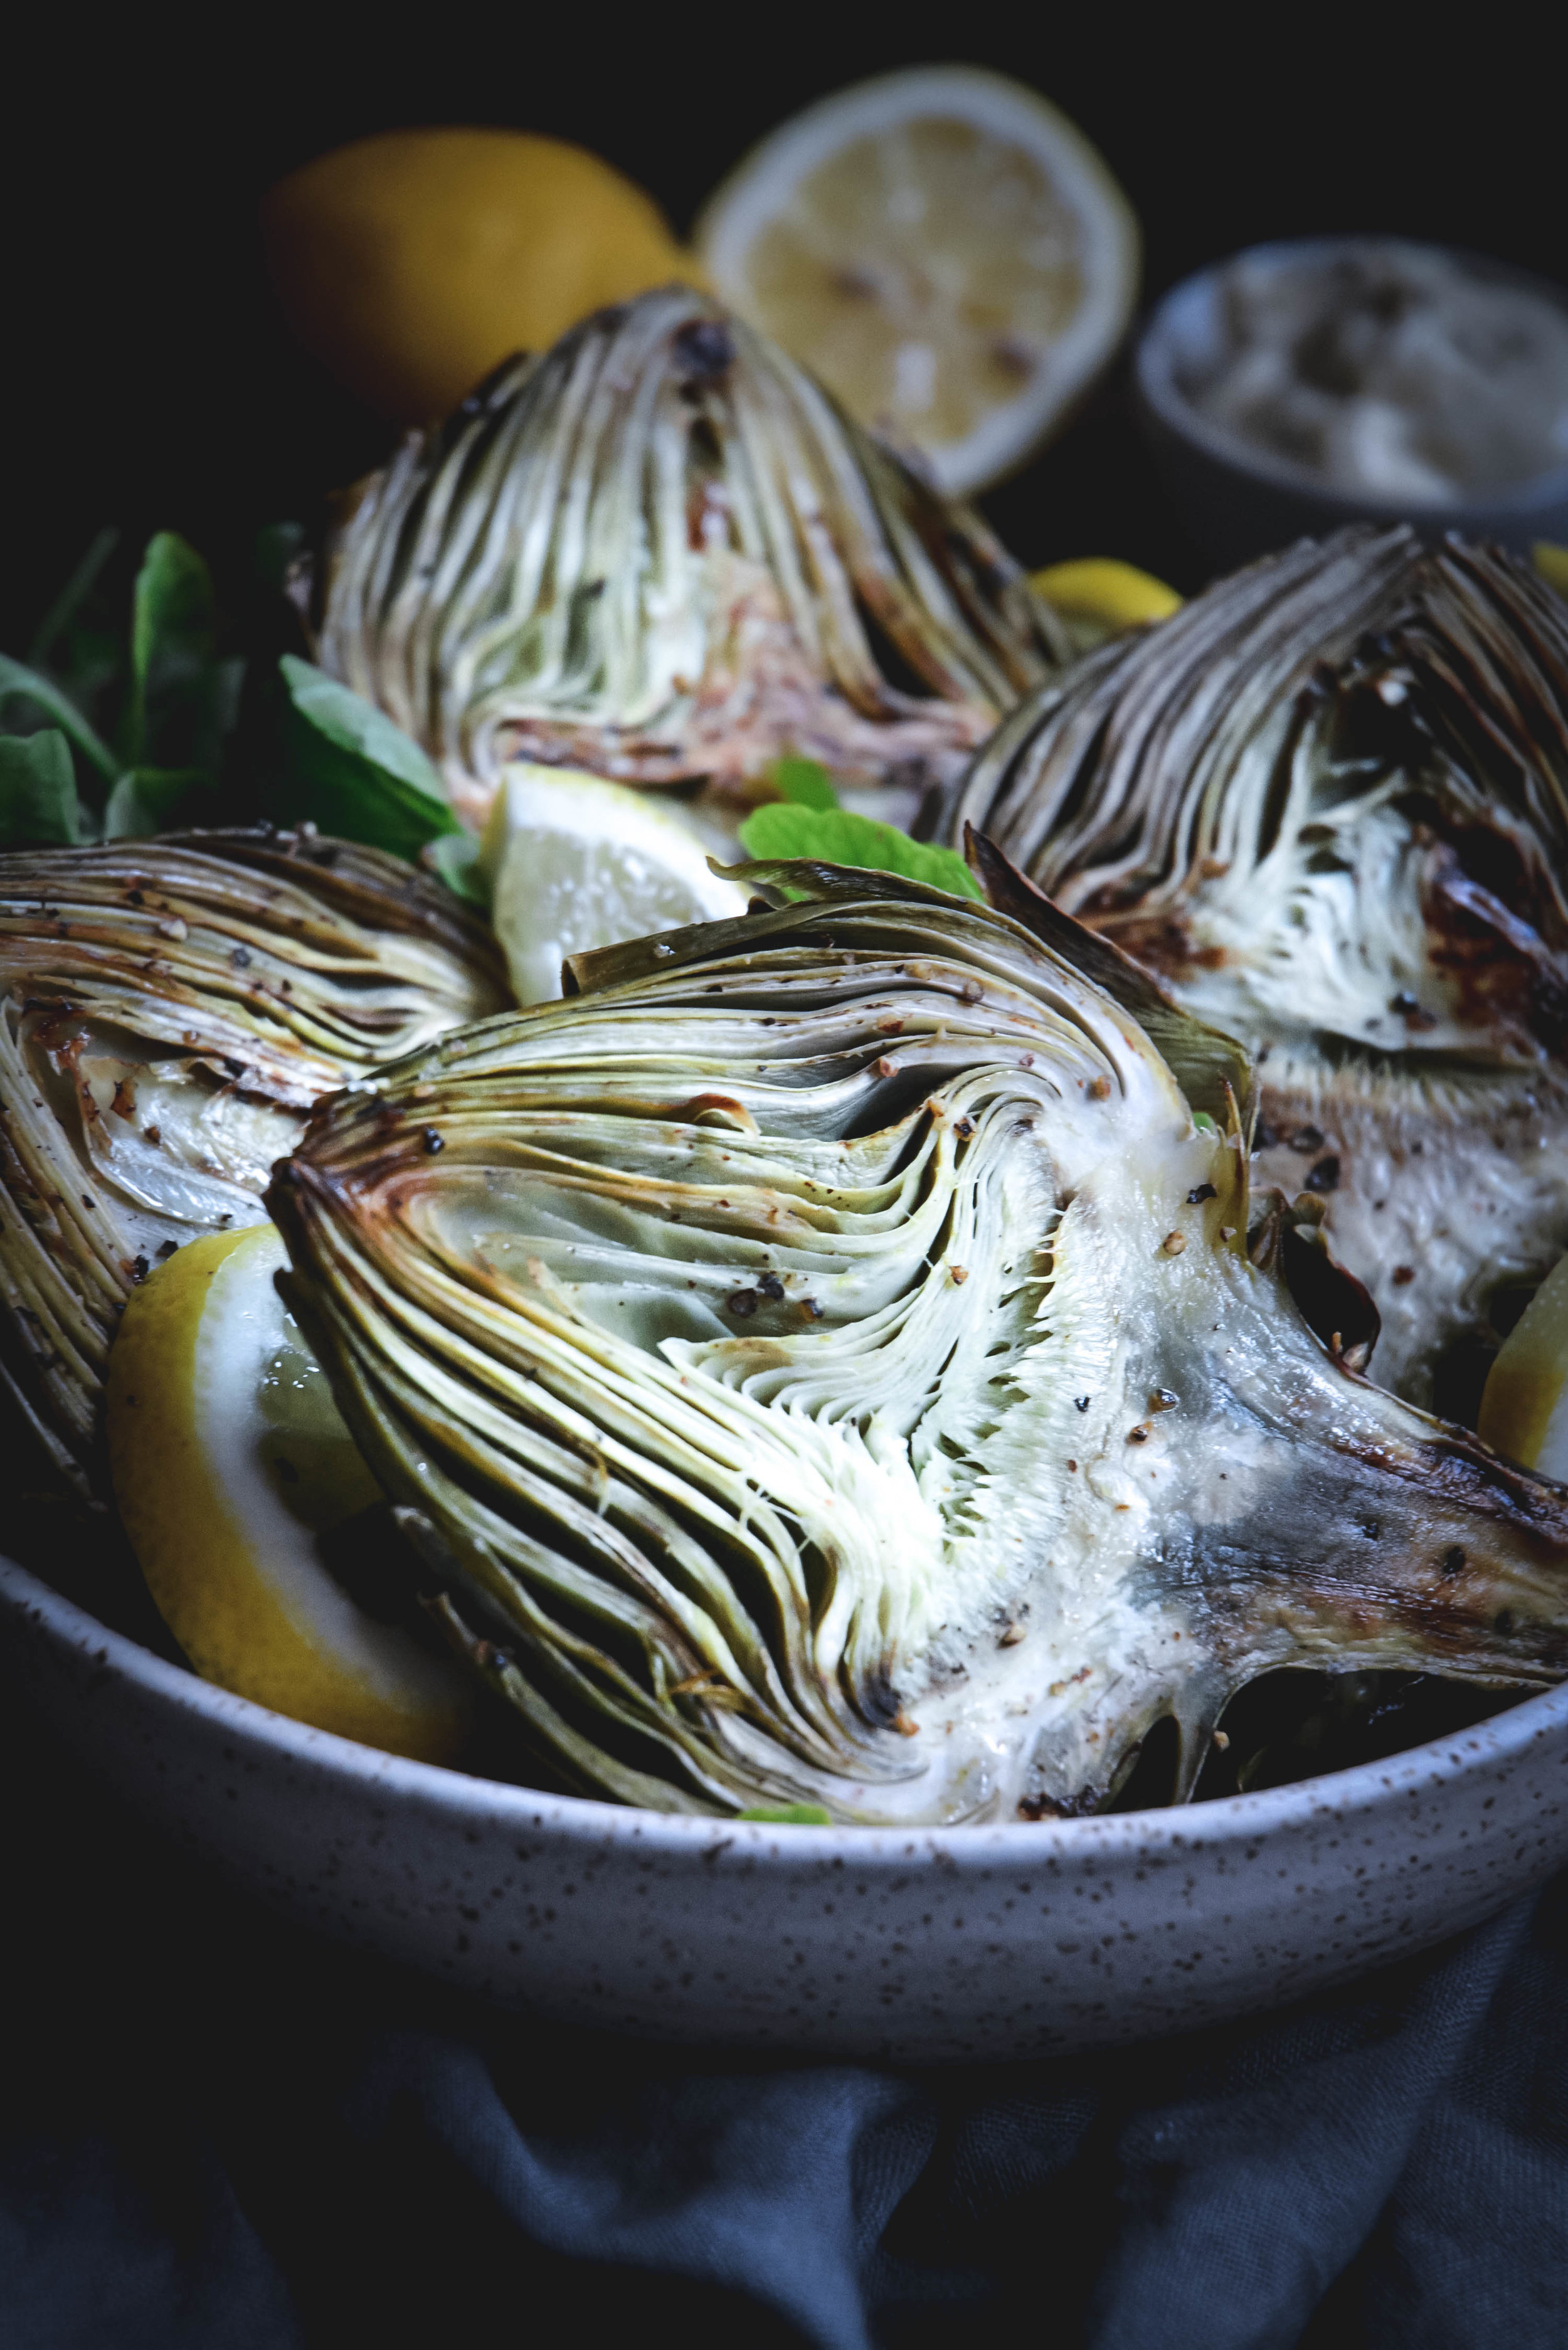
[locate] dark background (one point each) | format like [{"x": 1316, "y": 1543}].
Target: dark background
[{"x": 146, "y": 379}]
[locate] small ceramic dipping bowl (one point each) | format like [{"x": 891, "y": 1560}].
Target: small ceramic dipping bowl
[
  {"x": 1236, "y": 500},
  {"x": 916, "y": 1945}
]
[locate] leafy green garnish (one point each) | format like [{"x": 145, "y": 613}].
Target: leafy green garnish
[
  {"x": 38, "y": 788},
  {"x": 456, "y": 857},
  {"x": 804, "y": 782},
  {"x": 171, "y": 717},
  {"x": 146, "y": 800},
  {"x": 835, "y": 836},
  {"x": 791, "y": 1816},
  {"x": 352, "y": 772},
  {"x": 20, "y": 683}
]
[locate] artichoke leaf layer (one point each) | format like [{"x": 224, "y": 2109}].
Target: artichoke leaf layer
[
  {"x": 659, "y": 551},
  {"x": 1327, "y": 803},
  {"x": 819, "y": 1360},
  {"x": 169, "y": 1012}
]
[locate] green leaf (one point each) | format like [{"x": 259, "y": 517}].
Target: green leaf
[
  {"x": 38, "y": 789},
  {"x": 802, "y": 783},
  {"x": 791, "y": 1816},
  {"x": 72, "y": 596},
  {"x": 172, "y": 715},
  {"x": 833, "y": 836},
  {"x": 456, "y": 857},
  {"x": 350, "y": 771},
  {"x": 147, "y": 800},
  {"x": 19, "y": 682}
]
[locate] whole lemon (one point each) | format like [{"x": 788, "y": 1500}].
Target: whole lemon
[{"x": 413, "y": 261}]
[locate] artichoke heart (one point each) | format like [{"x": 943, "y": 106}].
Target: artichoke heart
[
  {"x": 1327, "y": 803},
  {"x": 661, "y": 551},
  {"x": 819, "y": 1361},
  {"x": 169, "y": 1012}
]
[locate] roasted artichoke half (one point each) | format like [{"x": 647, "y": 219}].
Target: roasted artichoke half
[
  {"x": 169, "y": 1012},
  {"x": 661, "y": 551},
  {"x": 1327, "y": 803},
  {"x": 820, "y": 1362}
]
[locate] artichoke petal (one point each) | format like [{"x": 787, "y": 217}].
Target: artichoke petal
[
  {"x": 169, "y": 1011},
  {"x": 1326, "y": 805},
  {"x": 661, "y": 551},
  {"x": 822, "y": 1362}
]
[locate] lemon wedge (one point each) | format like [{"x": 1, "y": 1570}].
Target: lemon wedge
[
  {"x": 573, "y": 862},
  {"x": 413, "y": 261},
  {"x": 1524, "y": 1410},
  {"x": 229, "y": 1457},
  {"x": 944, "y": 249},
  {"x": 1098, "y": 597}
]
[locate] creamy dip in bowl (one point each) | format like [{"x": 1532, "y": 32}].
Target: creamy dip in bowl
[{"x": 1296, "y": 387}]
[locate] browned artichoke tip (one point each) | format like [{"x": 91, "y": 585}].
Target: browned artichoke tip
[
  {"x": 169, "y": 1009},
  {"x": 1327, "y": 803},
  {"x": 661, "y": 551},
  {"x": 819, "y": 1361}
]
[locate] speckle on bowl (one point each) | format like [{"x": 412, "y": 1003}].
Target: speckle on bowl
[{"x": 932, "y": 1945}]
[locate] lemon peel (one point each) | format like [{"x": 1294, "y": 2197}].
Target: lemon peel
[
  {"x": 414, "y": 262},
  {"x": 224, "y": 1447}
]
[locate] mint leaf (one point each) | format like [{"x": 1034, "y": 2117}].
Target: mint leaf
[
  {"x": 833, "y": 836},
  {"x": 38, "y": 789},
  {"x": 350, "y": 770},
  {"x": 802, "y": 783},
  {"x": 20, "y": 683},
  {"x": 791, "y": 1816}
]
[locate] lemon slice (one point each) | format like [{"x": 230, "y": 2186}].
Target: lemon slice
[
  {"x": 229, "y": 1458},
  {"x": 573, "y": 863},
  {"x": 1524, "y": 1411},
  {"x": 1098, "y": 597},
  {"x": 944, "y": 250}
]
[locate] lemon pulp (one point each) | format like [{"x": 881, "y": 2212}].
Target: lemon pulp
[
  {"x": 574, "y": 862},
  {"x": 944, "y": 249}
]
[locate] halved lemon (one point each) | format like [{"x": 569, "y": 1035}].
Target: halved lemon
[
  {"x": 574, "y": 862},
  {"x": 1524, "y": 1411},
  {"x": 944, "y": 249},
  {"x": 228, "y": 1459}
]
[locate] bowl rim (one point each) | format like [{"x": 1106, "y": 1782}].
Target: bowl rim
[
  {"x": 1226, "y": 1821},
  {"x": 1154, "y": 379}
]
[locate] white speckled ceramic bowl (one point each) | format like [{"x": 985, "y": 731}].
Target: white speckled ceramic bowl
[
  {"x": 1237, "y": 501},
  {"x": 948, "y": 1942}
]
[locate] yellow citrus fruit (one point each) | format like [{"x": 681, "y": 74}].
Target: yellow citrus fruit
[
  {"x": 944, "y": 249},
  {"x": 414, "y": 262},
  {"x": 1552, "y": 561},
  {"x": 1524, "y": 1411},
  {"x": 575, "y": 863},
  {"x": 1099, "y": 598},
  {"x": 228, "y": 1459}
]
